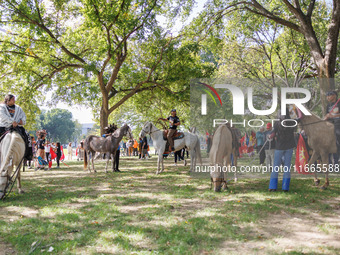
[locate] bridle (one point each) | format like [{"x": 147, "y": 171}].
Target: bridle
[
  {"x": 150, "y": 131},
  {"x": 221, "y": 180},
  {"x": 300, "y": 118}
]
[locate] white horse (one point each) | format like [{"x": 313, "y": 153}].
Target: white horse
[
  {"x": 12, "y": 149},
  {"x": 190, "y": 140}
]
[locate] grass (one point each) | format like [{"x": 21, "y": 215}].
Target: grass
[{"x": 138, "y": 212}]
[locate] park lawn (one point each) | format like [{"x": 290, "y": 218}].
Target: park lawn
[{"x": 138, "y": 212}]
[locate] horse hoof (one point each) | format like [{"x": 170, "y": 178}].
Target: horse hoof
[
  {"x": 21, "y": 191},
  {"x": 185, "y": 162},
  {"x": 316, "y": 183},
  {"x": 323, "y": 187}
]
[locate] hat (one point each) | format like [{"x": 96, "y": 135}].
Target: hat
[
  {"x": 269, "y": 125},
  {"x": 173, "y": 110},
  {"x": 330, "y": 93}
]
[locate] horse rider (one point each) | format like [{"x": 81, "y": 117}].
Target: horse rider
[
  {"x": 174, "y": 122},
  {"x": 333, "y": 115},
  {"x": 11, "y": 115}
]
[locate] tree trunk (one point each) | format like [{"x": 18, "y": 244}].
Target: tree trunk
[
  {"x": 326, "y": 82},
  {"x": 104, "y": 115}
]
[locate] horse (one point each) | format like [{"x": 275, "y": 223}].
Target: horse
[
  {"x": 190, "y": 140},
  {"x": 220, "y": 157},
  {"x": 108, "y": 145},
  {"x": 321, "y": 139},
  {"x": 12, "y": 148}
]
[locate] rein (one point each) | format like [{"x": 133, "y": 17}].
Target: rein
[
  {"x": 3, "y": 135},
  {"x": 151, "y": 132},
  {"x": 11, "y": 181},
  {"x": 312, "y": 123}
]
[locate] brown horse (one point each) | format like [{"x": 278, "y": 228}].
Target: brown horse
[
  {"x": 220, "y": 157},
  {"x": 321, "y": 138},
  {"x": 108, "y": 145}
]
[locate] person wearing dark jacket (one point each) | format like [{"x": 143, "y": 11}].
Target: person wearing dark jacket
[
  {"x": 284, "y": 146},
  {"x": 58, "y": 155}
]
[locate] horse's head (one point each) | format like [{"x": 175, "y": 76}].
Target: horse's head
[
  {"x": 218, "y": 181},
  {"x": 295, "y": 113},
  {"x": 127, "y": 131},
  {"x": 146, "y": 129}
]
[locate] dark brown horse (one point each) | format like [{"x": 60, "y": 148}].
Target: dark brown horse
[
  {"x": 321, "y": 138},
  {"x": 107, "y": 145}
]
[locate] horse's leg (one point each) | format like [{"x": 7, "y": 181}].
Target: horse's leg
[
  {"x": 192, "y": 157},
  {"x": 324, "y": 158},
  {"x": 19, "y": 183},
  {"x": 107, "y": 161},
  {"x": 93, "y": 153},
  {"x": 227, "y": 163},
  {"x": 160, "y": 157},
  {"x": 235, "y": 164},
  {"x": 113, "y": 161},
  {"x": 313, "y": 158}
]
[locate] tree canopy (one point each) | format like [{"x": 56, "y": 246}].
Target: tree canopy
[{"x": 59, "y": 125}]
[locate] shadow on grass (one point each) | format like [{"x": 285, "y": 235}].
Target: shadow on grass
[{"x": 137, "y": 211}]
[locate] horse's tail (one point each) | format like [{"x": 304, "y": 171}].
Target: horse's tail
[
  {"x": 198, "y": 150},
  {"x": 85, "y": 159}
]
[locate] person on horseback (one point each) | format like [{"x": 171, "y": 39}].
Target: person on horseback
[
  {"x": 12, "y": 115},
  {"x": 333, "y": 115},
  {"x": 174, "y": 122}
]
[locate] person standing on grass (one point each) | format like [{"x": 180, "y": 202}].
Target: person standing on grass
[
  {"x": 41, "y": 150},
  {"x": 116, "y": 166},
  {"x": 135, "y": 147},
  {"x": 58, "y": 152},
  {"x": 69, "y": 151},
  {"x": 145, "y": 148},
  {"x": 260, "y": 142},
  {"x": 285, "y": 144},
  {"x": 269, "y": 146},
  {"x": 140, "y": 148}
]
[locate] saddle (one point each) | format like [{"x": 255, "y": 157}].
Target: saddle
[{"x": 176, "y": 136}]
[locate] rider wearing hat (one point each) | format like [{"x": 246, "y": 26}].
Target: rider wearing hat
[{"x": 174, "y": 122}]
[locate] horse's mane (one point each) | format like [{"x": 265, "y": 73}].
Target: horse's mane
[
  {"x": 15, "y": 146},
  {"x": 315, "y": 116},
  {"x": 117, "y": 133},
  {"x": 218, "y": 135}
]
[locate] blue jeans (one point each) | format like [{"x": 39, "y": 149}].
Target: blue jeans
[{"x": 285, "y": 157}]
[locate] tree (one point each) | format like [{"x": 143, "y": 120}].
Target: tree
[
  {"x": 301, "y": 16},
  {"x": 59, "y": 125},
  {"x": 84, "y": 48}
]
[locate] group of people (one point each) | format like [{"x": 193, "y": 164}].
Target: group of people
[
  {"x": 280, "y": 142},
  {"x": 138, "y": 148},
  {"x": 44, "y": 152}
]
